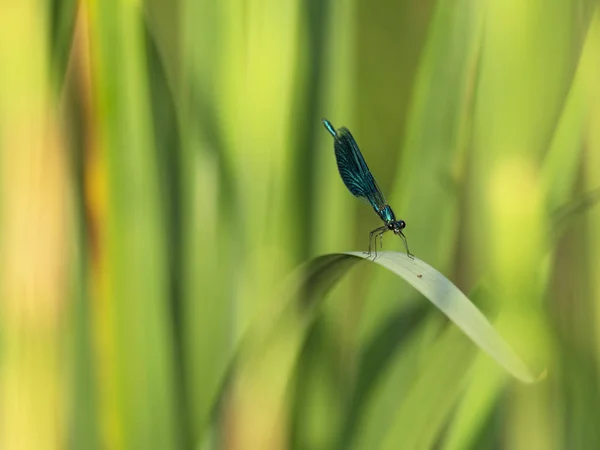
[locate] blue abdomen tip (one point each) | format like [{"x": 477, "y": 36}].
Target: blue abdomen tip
[{"x": 329, "y": 127}]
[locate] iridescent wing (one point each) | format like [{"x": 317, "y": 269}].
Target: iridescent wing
[{"x": 354, "y": 170}]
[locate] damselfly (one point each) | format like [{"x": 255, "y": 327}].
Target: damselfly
[{"x": 358, "y": 179}]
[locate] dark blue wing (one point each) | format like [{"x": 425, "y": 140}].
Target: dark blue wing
[{"x": 354, "y": 170}]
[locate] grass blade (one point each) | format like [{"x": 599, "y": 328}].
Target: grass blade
[
  {"x": 270, "y": 351},
  {"x": 456, "y": 306}
]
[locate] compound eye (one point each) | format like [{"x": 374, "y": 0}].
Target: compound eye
[{"x": 402, "y": 224}]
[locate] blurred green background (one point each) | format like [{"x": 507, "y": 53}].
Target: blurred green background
[{"x": 164, "y": 170}]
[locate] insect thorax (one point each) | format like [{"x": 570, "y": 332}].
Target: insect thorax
[{"x": 386, "y": 214}]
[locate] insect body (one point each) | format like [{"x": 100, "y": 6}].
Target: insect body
[{"x": 360, "y": 182}]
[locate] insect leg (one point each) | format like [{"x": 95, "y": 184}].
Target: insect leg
[
  {"x": 380, "y": 236},
  {"x": 370, "y": 239},
  {"x": 408, "y": 253},
  {"x": 377, "y": 235},
  {"x": 375, "y": 232}
]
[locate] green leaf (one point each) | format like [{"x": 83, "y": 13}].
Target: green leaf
[
  {"x": 386, "y": 370},
  {"x": 431, "y": 396},
  {"x": 456, "y": 306},
  {"x": 270, "y": 351}
]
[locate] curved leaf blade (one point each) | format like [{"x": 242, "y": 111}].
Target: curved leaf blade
[
  {"x": 456, "y": 306},
  {"x": 271, "y": 349}
]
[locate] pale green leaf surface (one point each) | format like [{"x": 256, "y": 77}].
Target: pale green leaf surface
[{"x": 456, "y": 306}]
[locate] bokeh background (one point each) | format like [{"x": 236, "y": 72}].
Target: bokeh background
[{"x": 164, "y": 171}]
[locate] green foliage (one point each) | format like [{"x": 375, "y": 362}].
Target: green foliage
[{"x": 199, "y": 311}]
